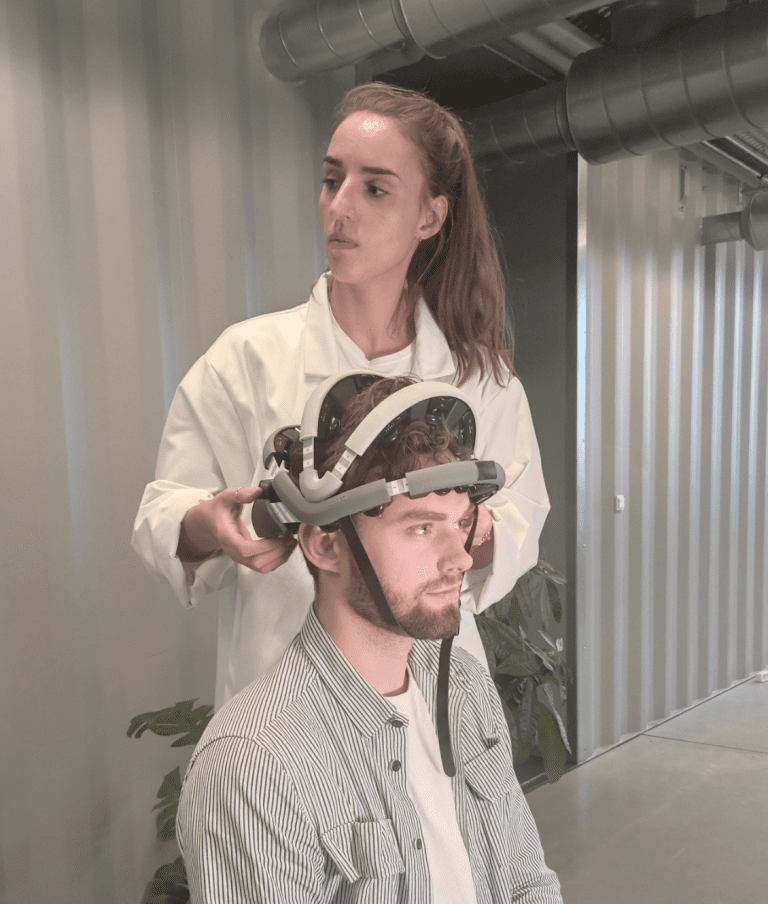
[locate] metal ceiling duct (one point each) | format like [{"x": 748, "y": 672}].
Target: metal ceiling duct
[
  {"x": 704, "y": 81},
  {"x": 301, "y": 39},
  {"x": 749, "y": 224}
]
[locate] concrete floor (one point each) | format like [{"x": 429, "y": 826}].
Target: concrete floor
[{"x": 677, "y": 815}]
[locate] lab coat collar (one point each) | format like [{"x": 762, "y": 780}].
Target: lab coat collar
[{"x": 433, "y": 359}]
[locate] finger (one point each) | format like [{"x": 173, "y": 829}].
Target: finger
[
  {"x": 267, "y": 562},
  {"x": 484, "y": 529},
  {"x": 256, "y": 553},
  {"x": 248, "y": 494}
]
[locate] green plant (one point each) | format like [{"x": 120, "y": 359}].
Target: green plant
[
  {"x": 169, "y": 885},
  {"x": 530, "y": 677}
]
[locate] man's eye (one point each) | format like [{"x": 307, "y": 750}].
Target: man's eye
[
  {"x": 421, "y": 529},
  {"x": 330, "y": 183},
  {"x": 376, "y": 191}
]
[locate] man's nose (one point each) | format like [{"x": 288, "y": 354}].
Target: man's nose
[{"x": 454, "y": 558}]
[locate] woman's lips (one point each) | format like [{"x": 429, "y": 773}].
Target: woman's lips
[{"x": 339, "y": 242}]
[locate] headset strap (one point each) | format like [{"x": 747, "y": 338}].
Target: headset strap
[
  {"x": 444, "y": 667},
  {"x": 366, "y": 569},
  {"x": 443, "y": 674}
]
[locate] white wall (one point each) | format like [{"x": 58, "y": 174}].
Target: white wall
[
  {"x": 156, "y": 185},
  {"x": 672, "y": 596}
]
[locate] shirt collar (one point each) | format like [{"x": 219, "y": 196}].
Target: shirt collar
[
  {"x": 433, "y": 359},
  {"x": 366, "y": 708}
]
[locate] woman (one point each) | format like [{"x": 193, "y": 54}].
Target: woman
[{"x": 413, "y": 287}]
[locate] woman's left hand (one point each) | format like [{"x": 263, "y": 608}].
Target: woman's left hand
[{"x": 482, "y": 544}]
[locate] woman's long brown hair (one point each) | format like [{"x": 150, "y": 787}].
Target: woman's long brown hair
[{"x": 457, "y": 271}]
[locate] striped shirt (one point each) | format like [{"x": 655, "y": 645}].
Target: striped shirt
[{"x": 297, "y": 790}]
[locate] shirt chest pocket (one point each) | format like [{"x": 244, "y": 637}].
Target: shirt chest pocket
[
  {"x": 364, "y": 850},
  {"x": 490, "y": 775}
]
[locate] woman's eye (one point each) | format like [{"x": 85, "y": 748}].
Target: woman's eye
[
  {"x": 330, "y": 183},
  {"x": 421, "y": 529}
]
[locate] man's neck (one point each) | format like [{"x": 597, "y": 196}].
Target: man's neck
[
  {"x": 377, "y": 654},
  {"x": 372, "y": 317}
]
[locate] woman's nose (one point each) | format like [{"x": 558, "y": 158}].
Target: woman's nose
[{"x": 342, "y": 205}]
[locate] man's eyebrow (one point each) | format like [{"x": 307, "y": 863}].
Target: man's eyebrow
[
  {"x": 427, "y": 514},
  {"x": 371, "y": 170}
]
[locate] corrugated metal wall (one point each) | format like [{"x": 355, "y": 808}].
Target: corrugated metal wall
[
  {"x": 673, "y": 394},
  {"x": 156, "y": 185}
]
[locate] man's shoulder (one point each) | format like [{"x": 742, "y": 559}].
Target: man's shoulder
[{"x": 262, "y": 709}]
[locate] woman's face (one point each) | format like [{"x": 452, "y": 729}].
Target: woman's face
[{"x": 371, "y": 205}]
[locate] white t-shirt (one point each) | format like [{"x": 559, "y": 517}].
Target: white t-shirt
[
  {"x": 429, "y": 788},
  {"x": 256, "y": 378}
]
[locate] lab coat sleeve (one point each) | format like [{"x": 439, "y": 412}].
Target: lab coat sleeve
[
  {"x": 506, "y": 435},
  {"x": 204, "y": 448}
]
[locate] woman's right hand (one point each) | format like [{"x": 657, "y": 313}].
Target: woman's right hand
[{"x": 214, "y": 527}]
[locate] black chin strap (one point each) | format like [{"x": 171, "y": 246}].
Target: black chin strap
[
  {"x": 366, "y": 569},
  {"x": 443, "y": 671}
]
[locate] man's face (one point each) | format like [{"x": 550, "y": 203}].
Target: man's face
[{"x": 416, "y": 547}]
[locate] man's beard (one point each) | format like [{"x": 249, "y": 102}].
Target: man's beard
[{"x": 414, "y": 616}]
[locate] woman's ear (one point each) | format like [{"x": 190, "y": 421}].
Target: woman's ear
[
  {"x": 320, "y": 547},
  {"x": 436, "y": 210}
]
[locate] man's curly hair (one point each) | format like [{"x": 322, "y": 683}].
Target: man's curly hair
[{"x": 418, "y": 444}]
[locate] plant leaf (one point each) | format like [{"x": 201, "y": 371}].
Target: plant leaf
[
  {"x": 169, "y": 804},
  {"x": 550, "y": 744},
  {"x": 178, "y": 719},
  {"x": 505, "y": 634},
  {"x": 169, "y": 885},
  {"x": 554, "y": 600},
  {"x": 546, "y": 686},
  {"x": 520, "y": 750},
  {"x": 546, "y": 614},
  {"x": 519, "y": 665},
  {"x": 514, "y": 616},
  {"x": 545, "y": 658},
  {"x": 525, "y": 589}
]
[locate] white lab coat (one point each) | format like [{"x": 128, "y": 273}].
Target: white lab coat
[{"x": 257, "y": 377}]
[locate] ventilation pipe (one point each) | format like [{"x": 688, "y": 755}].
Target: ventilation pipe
[
  {"x": 301, "y": 39},
  {"x": 750, "y": 224},
  {"x": 704, "y": 81}
]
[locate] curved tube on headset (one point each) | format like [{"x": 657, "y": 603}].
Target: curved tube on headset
[
  {"x": 293, "y": 507},
  {"x": 318, "y": 489},
  {"x": 455, "y": 474},
  {"x": 400, "y": 401},
  {"x": 327, "y": 511},
  {"x": 315, "y": 402}
]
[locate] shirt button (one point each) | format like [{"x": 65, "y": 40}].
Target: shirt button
[
  {"x": 396, "y": 723},
  {"x": 395, "y": 765},
  {"x": 417, "y": 844}
]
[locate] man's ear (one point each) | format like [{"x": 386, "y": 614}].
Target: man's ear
[
  {"x": 436, "y": 210},
  {"x": 320, "y": 547}
]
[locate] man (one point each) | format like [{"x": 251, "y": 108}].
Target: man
[{"x": 326, "y": 780}]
